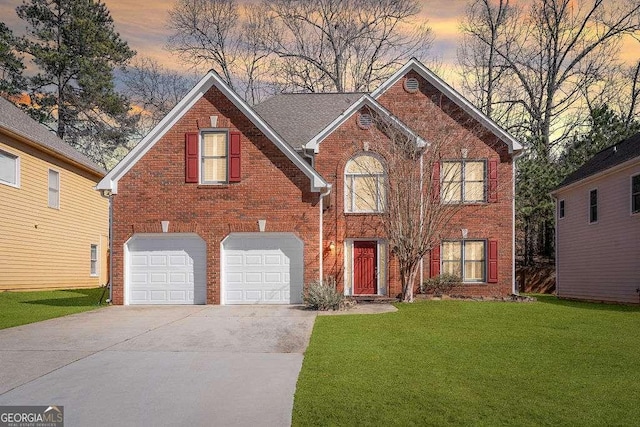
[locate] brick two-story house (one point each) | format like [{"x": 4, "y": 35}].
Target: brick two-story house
[{"x": 224, "y": 203}]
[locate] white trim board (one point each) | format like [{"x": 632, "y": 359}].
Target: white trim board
[
  {"x": 110, "y": 181},
  {"x": 365, "y": 100}
]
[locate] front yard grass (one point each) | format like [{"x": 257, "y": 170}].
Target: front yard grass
[
  {"x": 19, "y": 308},
  {"x": 469, "y": 363}
]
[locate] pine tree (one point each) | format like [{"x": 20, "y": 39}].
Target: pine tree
[
  {"x": 11, "y": 66},
  {"x": 75, "y": 47}
]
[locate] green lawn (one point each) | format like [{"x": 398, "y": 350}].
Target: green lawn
[
  {"x": 474, "y": 363},
  {"x": 19, "y": 308}
]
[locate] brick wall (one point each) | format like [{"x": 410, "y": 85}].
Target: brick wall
[
  {"x": 272, "y": 188},
  {"x": 436, "y": 119}
]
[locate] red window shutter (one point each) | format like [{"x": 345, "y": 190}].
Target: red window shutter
[
  {"x": 435, "y": 182},
  {"x": 493, "y": 181},
  {"x": 191, "y": 157},
  {"x": 434, "y": 267},
  {"x": 493, "y": 262},
  {"x": 234, "y": 157}
]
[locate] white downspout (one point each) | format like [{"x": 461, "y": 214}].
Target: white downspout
[
  {"x": 421, "y": 214},
  {"x": 323, "y": 194},
  {"x": 514, "y": 287},
  {"x": 109, "y": 196}
]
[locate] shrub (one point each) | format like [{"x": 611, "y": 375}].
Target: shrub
[
  {"x": 439, "y": 285},
  {"x": 323, "y": 296}
]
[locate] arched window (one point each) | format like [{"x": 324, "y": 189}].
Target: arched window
[{"x": 364, "y": 185}]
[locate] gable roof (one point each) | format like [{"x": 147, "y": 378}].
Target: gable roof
[
  {"x": 608, "y": 158},
  {"x": 17, "y": 123},
  {"x": 298, "y": 117},
  {"x": 368, "y": 101},
  {"x": 453, "y": 95},
  {"x": 110, "y": 182}
]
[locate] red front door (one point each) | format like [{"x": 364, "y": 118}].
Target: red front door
[{"x": 365, "y": 261}]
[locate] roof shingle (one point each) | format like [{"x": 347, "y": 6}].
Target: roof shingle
[
  {"x": 611, "y": 156},
  {"x": 298, "y": 117},
  {"x": 15, "y": 120}
]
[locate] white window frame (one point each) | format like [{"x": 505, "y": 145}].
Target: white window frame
[
  {"x": 350, "y": 195},
  {"x": 562, "y": 206},
  {"x": 201, "y": 157},
  {"x": 94, "y": 263},
  {"x": 17, "y": 169},
  {"x": 49, "y": 189},
  {"x": 462, "y": 258},
  {"x": 591, "y": 221},
  {"x": 632, "y": 194},
  {"x": 463, "y": 163}
]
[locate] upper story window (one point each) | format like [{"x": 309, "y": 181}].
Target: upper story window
[
  {"x": 9, "y": 169},
  {"x": 593, "y": 206},
  {"x": 561, "y": 209},
  {"x": 465, "y": 259},
  {"x": 464, "y": 181},
  {"x": 54, "y": 189},
  {"x": 635, "y": 194},
  {"x": 213, "y": 158},
  {"x": 364, "y": 183}
]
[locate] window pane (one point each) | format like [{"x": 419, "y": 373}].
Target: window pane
[
  {"x": 382, "y": 194},
  {"x": 635, "y": 186},
  {"x": 474, "y": 251},
  {"x": 451, "y": 171},
  {"x": 366, "y": 189},
  {"x": 451, "y": 191},
  {"x": 54, "y": 189},
  {"x": 452, "y": 267},
  {"x": 636, "y": 203},
  {"x": 451, "y": 251},
  {"x": 474, "y": 191},
  {"x": 94, "y": 252},
  {"x": 474, "y": 171},
  {"x": 474, "y": 270},
  {"x": 8, "y": 168},
  {"x": 214, "y": 144},
  {"x": 365, "y": 165},
  {"x": 214, "y": 170}
]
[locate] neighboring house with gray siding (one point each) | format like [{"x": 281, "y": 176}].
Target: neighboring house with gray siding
[{"x": 598, "y": 227}]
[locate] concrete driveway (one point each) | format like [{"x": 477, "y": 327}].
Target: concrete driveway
[{"x": 175, "y": 365}]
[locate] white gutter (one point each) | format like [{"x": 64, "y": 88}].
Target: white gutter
[{"x": 320, "y": 238}]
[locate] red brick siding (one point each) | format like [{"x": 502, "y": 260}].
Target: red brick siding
[
  {"x": 433, "y": 116},
  {"x": 272, "y": 188}
]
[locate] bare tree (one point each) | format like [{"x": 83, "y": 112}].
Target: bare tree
[
  {"x": 154, "y": 90},
  {"x": 560, "y": 47},
  {"x": 546, "y": 62},
  {"x": 485, "y": 74},
  {"x": 344, "y": 45},
  {"x": 326, "y": 45}
]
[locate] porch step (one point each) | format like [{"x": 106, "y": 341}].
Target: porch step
[{"x": 374, "y": 299}]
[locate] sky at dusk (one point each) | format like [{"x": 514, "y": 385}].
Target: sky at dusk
[{"x": 143, "y": 25}]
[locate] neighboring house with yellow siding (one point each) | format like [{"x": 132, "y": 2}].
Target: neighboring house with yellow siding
[{"x": 54, "y": 226}]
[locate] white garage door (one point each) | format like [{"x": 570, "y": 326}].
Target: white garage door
[
  {"x": 262, "y": 269},
  {"x": 166, "y": 269}
]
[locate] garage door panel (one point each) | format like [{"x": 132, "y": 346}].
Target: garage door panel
[
  {"x": 257, "y": 270},
  {"x": 167, "y": 270},
  {"x": 138, "y": 260}
]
